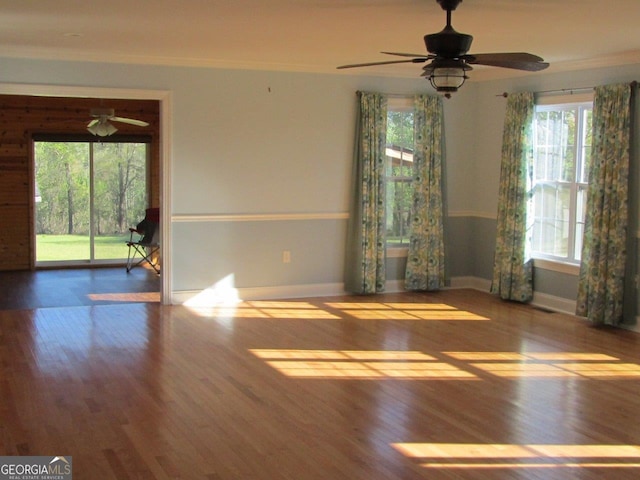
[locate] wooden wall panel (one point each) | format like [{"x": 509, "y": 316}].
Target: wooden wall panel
[
  {"x": 21, "y": 117},
  {"x": 15, "y": 243},
  {"x": 14, "y": 184}
]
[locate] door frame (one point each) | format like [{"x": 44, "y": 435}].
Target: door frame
[{"x": 164, "y": 97}]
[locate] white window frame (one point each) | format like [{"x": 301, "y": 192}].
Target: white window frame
[
  {"x": 569, "y": 264},
  {"x": 398, "y": 104}
]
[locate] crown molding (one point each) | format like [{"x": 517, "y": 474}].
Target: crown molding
[{"x": 480, "y": 73}]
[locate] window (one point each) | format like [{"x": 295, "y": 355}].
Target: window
[
  {"x": 399, "y": 171},
  {"x": 561, "y": 155}
]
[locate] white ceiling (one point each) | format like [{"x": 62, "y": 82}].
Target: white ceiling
[{"x": 316, "y": 35}]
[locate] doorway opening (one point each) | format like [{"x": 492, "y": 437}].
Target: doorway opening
[{"x": 34, "y": 111}]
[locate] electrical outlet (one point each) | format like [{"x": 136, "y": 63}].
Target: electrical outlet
[{"x": 286, "y": 256}]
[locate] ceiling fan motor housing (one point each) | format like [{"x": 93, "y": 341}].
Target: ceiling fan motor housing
[
  {"x": 102, "y": 112},
  {"x": 448, "y": 43}
]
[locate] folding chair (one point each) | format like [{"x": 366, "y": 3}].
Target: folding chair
[{"x": 147, "y": 246}]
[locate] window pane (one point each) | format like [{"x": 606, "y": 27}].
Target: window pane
[
  {"x": 580, "y": 220},
  {"x": 541, "y": 151},
  {"x": 62, "y": 207},
  {"x": 569, "y": 146},
  {"x": 400, "y": 129},
  {"x": 561, "y": 142},
  {"x": 551, "y": 219},
  {"x": 554, "y": 151},
  {"x": 587, "y": 135},
  {"x": 399, "y": 200},
  {"x": 399, "y": 175},
  {"x": 120, "y": 195}
]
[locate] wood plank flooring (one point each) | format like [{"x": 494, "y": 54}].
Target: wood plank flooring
[
  {"x": 448, "y": 385},
  {"x": 73, "y": 287}
]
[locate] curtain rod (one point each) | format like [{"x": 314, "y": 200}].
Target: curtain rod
[
  {"x": 398, "y": 95},
  {"x": 571, "y": 91},
  {"x": 402, "y": 95}
]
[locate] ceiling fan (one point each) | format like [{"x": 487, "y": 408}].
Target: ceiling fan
[
  {"x": 101, "y": 124},
  {"x": 450, "y": 60}
]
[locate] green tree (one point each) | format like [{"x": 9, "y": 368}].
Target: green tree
[
  {"x": 120, "y": 185},
  {"x": 400, "y": 129},
  {"x": 61, "y": 178},
  {"x": 400, "y": 133}
]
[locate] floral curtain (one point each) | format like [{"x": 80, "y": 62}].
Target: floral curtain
[
  {"x": 602, "y": 271},
  {"x": 512, "y": 267},
  {"x": 425, "y": 262},
  {"x": 365, "y": 256}
]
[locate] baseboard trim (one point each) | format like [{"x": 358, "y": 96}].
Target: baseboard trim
[
  {"x": 230, "y": 294},
  {"x": 540, "y": 300},
  {"x": 475, "y": 283},
  {"x": 292, "y": 291},
  {"x": 633, "y": 328},
  {"x": 215, "y": 295},
  {"x": 553, "y": 303}
]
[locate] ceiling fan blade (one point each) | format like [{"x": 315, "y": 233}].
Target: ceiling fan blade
[
  {"x": 130, "y": 121},
  {"x": 517, "y": 60},
  {"x": 413, "y": 60},
  {"x": 93, "y": 122},
  {"x": 416, "y": 55}
]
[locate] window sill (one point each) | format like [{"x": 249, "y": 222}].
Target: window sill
[
  {"x": 556, "y": 266},
  {"x": 397, "y": 252}
]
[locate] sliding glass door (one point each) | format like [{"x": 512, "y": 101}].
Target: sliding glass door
[{"x": 88, "y": 194}]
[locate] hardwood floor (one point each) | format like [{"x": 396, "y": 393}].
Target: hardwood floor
[
  {"x": 448, "y": 385},
  {"x": 73, "y": 287}
]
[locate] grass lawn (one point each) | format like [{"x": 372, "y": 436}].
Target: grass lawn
[{"x": 76, "y": 247}]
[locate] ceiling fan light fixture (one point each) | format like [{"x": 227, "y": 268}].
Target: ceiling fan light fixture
[
  {"x": 103, "y": 128},
  {"x": 448, "y": 76}
]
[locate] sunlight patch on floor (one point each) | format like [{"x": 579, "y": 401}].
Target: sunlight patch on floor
[
  {"x": 318, "y": 363},
  {"x": 348, "y": 364},
  {"x": 340, "y": 354},
  {"x": 474, "y": 456},
  {"x": 145, "y": 297},
  {"x": 404, "y": 311},
  {"x": 221, "y": 300},
  {"x": 549, "y": 364}
]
